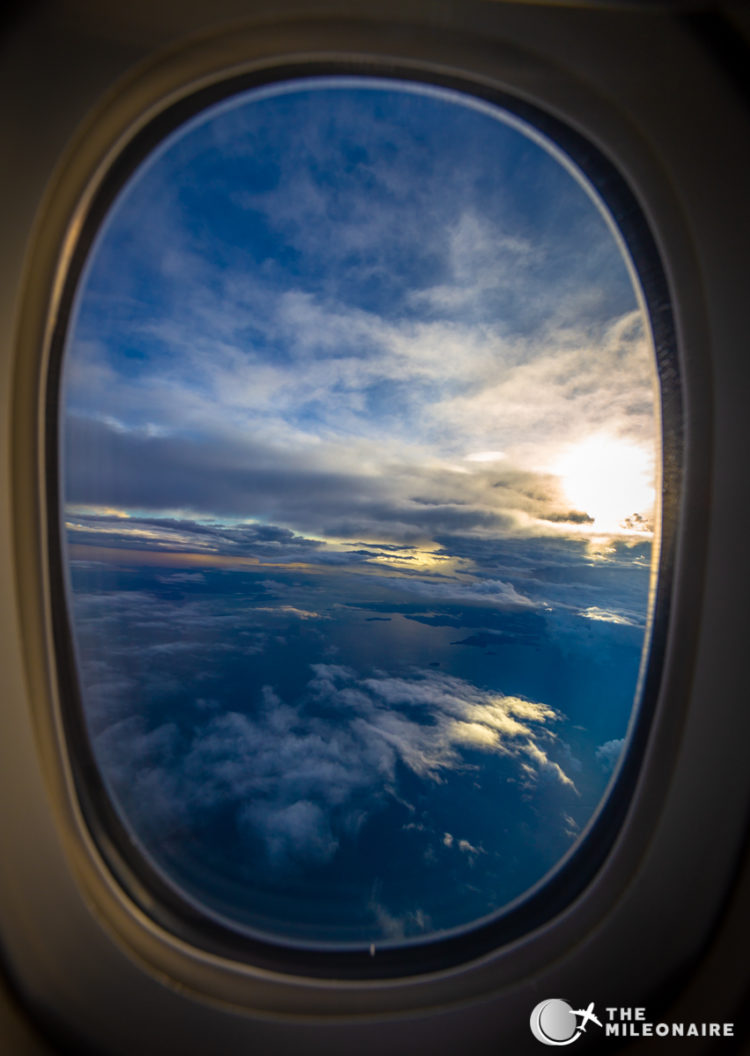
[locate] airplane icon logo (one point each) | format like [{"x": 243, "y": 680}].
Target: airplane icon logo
[{"x": 587, "y": 1015}]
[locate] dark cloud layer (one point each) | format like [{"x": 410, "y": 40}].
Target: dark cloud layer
[
  {"x": 183, "y": 535},
  {"x": 109, "y": 466}
]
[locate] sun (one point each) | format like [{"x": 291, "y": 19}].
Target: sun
[{"x": 608, "y": 478}]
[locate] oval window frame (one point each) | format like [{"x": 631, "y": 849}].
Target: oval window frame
[{"x": 144, "y": 884}]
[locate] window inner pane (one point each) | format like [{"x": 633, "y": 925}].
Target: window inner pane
[{"x": 360, "y": 445}]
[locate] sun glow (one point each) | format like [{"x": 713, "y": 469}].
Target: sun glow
[{"x": 609, "y": 479}]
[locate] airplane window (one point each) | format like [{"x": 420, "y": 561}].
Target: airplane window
[{"x": 360, "y": 449}]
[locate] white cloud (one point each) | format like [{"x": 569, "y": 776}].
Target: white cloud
[
  {"x": 557, "y": 388},
  {"x": 608, "y": 754},
  {"x": 486, "y": 456},
  {"x": 453, "y": 389},
  {"x": 468, "y": 848},
  {"x": 594, "y": 612},
  {"x": 394, "y": 927},
  {"x": 301, "y": 776},
  {"x": 488, "y": 592}
]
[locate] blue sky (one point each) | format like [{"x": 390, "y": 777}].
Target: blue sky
[{"x": 358, "y": 383}]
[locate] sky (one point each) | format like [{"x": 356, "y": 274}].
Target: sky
[{"x": 359, "y": 460}]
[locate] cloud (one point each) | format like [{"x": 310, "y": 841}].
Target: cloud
[
  {"x": 467, "y": 848},
  {"x": 133, "y": 629},
  {"x": 325, "y": 332},
  {"x": 552, "y": 571},
  {"x": 301, "y": 777},
  {"x": 299, "y": 830},
  {"x": 464, "y": 846},
  {"x": 490, "y": 593},
  {"x": 460, "y": 716},
  {"x": 345, "y": 465},
  {"x": 328, "y": 491},
  {"x": 236, "y": 390},
  {"x": 515, "y": 587},
  {"x": 185, "y": 535},
  {"x": 608, "y": 754},
  {"x": 571, "y": 827},
  {"x": 144, "y": 764},
  {"x": 559, "y": 388},
  {"x": 182, "y": 577},
  {"x": 397, "y": 927},
  {"x": 593, "y": 612},
  {"x": 569, "y": 517}
]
